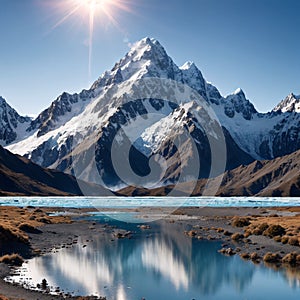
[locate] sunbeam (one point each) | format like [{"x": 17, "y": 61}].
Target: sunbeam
[{"x": 92, "y": 10}]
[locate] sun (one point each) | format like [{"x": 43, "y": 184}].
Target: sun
[
  {"x": 91, "y": 11},
  {"x": 94, "y": 6}
]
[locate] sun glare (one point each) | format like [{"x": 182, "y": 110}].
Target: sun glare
[
  {"x": 95, "y": 5},
  {"x": 92, "y": 11}
]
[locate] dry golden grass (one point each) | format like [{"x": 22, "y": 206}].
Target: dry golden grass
[
  {"x": 12, "y": 259},
  {"x": 267, "y": 224},
  {"x": 254, "y": 256},
  {"x": 245, "y": 255},
  {"x": 240, "y": 221},
  {"x": 237, "y": 236},
  {"x": 290, "y": 258},
  {"x": 270, "y": 257},
  {"x": 13, "y": 221}
]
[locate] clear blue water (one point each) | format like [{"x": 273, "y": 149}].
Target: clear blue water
[
  {"x": 162, "y": 264},
  {"x": 149, "y": 201}
]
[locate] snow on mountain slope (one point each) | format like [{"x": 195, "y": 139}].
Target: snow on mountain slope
[
  {"x": 141, "y": 86},
  {"x": 12, "y": 125},
  {"x": 290, "y": 104},
  {"x": 63, "y": 109}
]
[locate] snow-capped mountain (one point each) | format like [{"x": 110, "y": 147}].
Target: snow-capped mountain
[
  {"x": 144, "y": 103},
  {"x": 63, "y": 109},
  {"x": 290, "y": 104},
  {"x": 12, "y": 125}
]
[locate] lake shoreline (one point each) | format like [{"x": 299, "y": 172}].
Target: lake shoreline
[{"x": 236, "y": 227}]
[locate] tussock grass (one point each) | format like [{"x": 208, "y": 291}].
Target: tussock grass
[
  {"x": 16, "y": 223},
  {"x": 274, "y": 230},
  {"x": 285, "y": 239},
  {"x": 245, "y": 255},
  {"x": 258, "y": 230},
  {"x": 274, "y": 226},
  {"x": 237, "y": 236},
  {"x": 254, "y": 256},
  {"x": 293, "y": 240},
  {"x": 290, "y": 258},
  {"x": 270, "y": 257},
  {"x": 240, "y": 221},
  {"x": 12, "y": 259}
]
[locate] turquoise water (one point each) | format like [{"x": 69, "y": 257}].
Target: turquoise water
[
  {"x": 149, "y": 201},
  {"x": 165, "y": 264},
  {"x": 162, "y": 264}
]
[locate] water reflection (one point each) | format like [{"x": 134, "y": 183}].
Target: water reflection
[{"x": 165, "y": 265}]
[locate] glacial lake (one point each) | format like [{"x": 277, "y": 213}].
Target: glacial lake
[
  {"x": 162, "y": 264},
  {"x": 165, "y": 264}
]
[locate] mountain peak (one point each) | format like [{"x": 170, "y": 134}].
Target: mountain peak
[
  {"x": 148, "y": 40},
  {"x": 238, "y": 91},
  {"x": 238, "y": 103},
  {"x": 188, "y": 65},
  {"x": 10, "y": 123},
  {"x": 146, "y": 45},
  {"x": 290, "y": 104},
  {"x": 146, "y": 58}
]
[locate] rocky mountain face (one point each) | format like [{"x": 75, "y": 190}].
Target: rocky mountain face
[
  {"x": 12, "y": 125},
  {"x": 147, "y": 121},
  {"x": 270, "y": 178},
  {"x": 290, "y": 104},
  {"x": 63, "y": 109}
]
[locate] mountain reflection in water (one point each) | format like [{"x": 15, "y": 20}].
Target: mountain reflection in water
[{"x": 163, "y": 265}]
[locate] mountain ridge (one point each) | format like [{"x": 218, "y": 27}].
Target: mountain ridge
[
  {"x": 274, "y": 178},
  {"x": 19, "y": 176},
  {"x": 87, "y": 115}
]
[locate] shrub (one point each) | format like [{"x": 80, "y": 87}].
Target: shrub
[
  {"x": 237, "y": 236},
  {"x": 254, "y": 256},
  {"x": 274, "y": 230},
  {"x": 284, "y": 239},
  {"x": 247, "y": 233},
  {"x": 240, "y": 222},
  {"x": 290, "y": 258},
  {"x": 277, "y": 238},
  {"x": 270, "y": 257},
  {"x": 12, "y": 259},
  {"x": 293, "y": 241},
  {"x": 258, "y": 230},
  {"x": 245, "y": 255}
]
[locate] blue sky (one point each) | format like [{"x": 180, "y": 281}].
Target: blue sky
[{"x": 235, "y": 43}]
